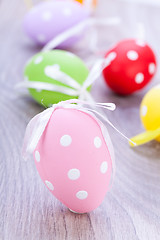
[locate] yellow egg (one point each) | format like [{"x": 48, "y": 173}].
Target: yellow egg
[{"x": 150, "y": 109}]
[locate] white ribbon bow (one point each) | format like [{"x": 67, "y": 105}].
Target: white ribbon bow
[
  {"x": 37, "y": 125},
  {"x": 73, "y": 88}
]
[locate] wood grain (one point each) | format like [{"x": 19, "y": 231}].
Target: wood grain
[{"x": 131, "y": 211}]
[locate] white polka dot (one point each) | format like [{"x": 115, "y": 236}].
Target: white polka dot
[
  {"x": 65, "y": 140},
  {"x": 41, "y": 38},
  {"x": 49, "y": 185},
  {"x": 67, "y": 11},
  {"x": 144, "y": 111},
  {"x": 56, "y": 67},
  {"x": 73, "y": 174},
  {"x": 104, "y": 167},
  {"x": 139, "y": 78},
  {"x": 82, "y": 195},
  {"x": 151, "y": 68},
  {"x": 107, "y": 62},
  {"x": 140, "y": 43},
  {"x": 51, "y": 71},
  {"x": 37, "y": 156},
  {"x": 97, "y": 142},
  {"x": 111, "y": 56},
  {"x": 132, "y": 55},
  {"x": 46, "y": 16},
  {"x": 38, "y": 60}
]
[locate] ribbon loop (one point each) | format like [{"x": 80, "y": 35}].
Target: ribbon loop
[{"x": 37, "y": 125}]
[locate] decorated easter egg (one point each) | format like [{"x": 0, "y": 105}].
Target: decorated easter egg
[
  {"x": 150, "y": 110},
  {"x": 131, "y": 66},
  {"x": 74, "y": 159},
  {"x": 150, "y": 117},
  {"x": 48, "y": 19},
  {"x": 60, "y": 69}
]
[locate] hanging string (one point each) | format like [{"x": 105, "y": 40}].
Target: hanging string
[{"x": 77, "y": 29}]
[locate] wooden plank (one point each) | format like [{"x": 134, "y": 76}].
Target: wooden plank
[{"x": 27, "y": 210}]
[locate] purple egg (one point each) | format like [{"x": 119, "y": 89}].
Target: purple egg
[{"x": 48, "y": 19}]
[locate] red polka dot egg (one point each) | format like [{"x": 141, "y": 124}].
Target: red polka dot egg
[
  {"x": 131, "y": 64},
  {"x": 74, "y": 159}
]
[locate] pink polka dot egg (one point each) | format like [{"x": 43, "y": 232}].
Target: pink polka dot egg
[
  {"x": 50, "y": 18},
  {"x": 74, "y": 158},
  {"x": 131, "y": 66}
]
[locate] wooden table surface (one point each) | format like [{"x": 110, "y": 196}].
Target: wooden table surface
[{"x": 131, "y": 210}]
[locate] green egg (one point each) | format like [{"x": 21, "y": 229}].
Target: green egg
[{"x": 66, "y": 62}]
